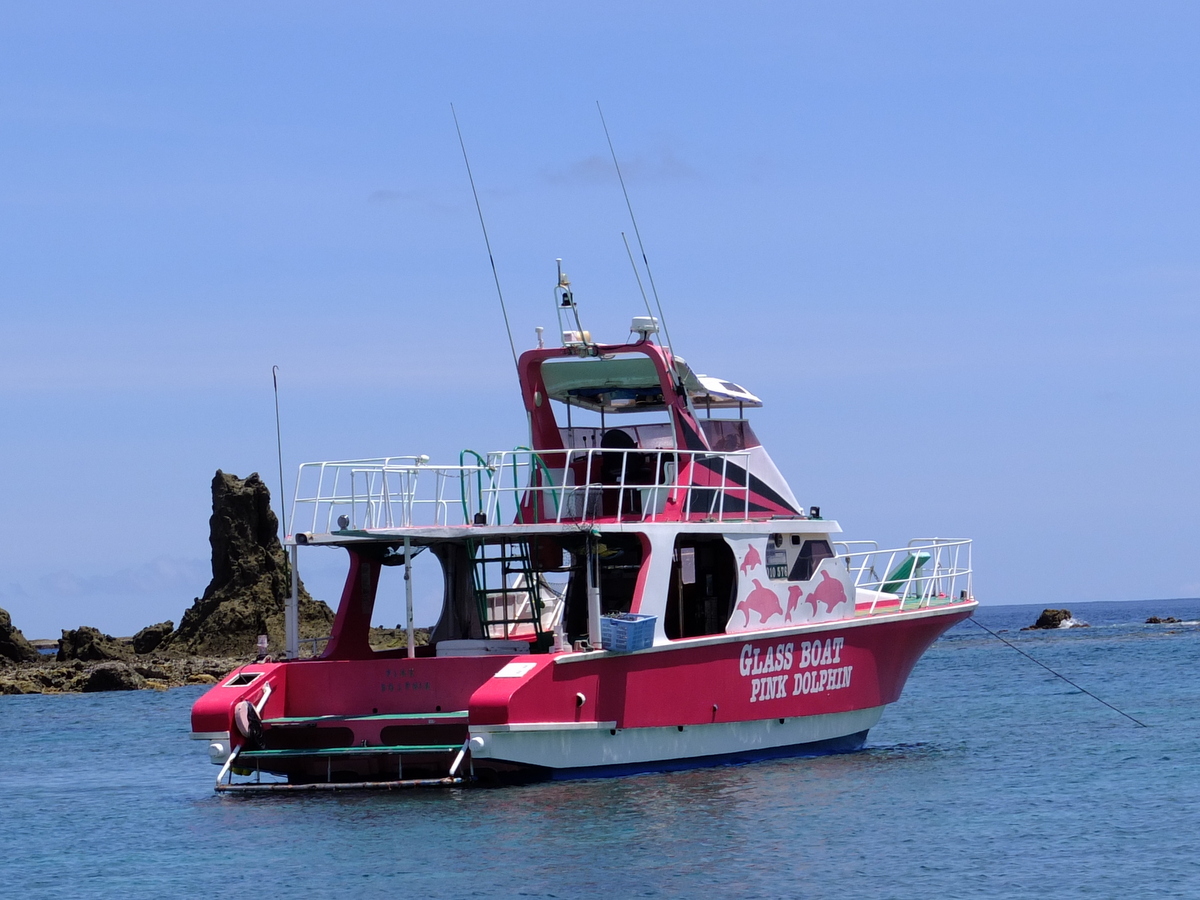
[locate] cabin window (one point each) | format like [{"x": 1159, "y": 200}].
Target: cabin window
[
  {"x": 701, "y": 593},
  {"x": 729, "y": 435},
  {"x": 810, "y": 556},
  {"x": 792, "y": 557}
]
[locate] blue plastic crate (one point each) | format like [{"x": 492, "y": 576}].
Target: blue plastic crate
[{"x": 625, "y": 632}]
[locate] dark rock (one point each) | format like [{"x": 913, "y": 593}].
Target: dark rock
[
  {"x": 251, "y": 580},
  {"x": 112, "y": 676},
  {"x": 13, "y": 645},
  {"x": 88, "y": 644},
  {"x": 1169, "y": 620},
  {"x": 1050, "y": 618},
  {"x": 148, "y": 639},
  {"x": 156, "y": 673}
]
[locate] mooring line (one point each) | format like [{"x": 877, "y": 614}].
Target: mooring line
[{"x": 1058, "y": 675}]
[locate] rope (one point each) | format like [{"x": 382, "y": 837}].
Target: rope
[{"x": 1057, "y": 675}]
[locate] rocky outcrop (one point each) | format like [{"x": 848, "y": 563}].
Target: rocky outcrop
[
  {"x": 112, "y": 676},
  {"x": 1055, "y": 618},
  {"x": 148, "y": 639},
  {"x": 13, "y": 645},
  {"x": 1052, "y": 618},
  {"x": 89, "y": 645},
  {"x": 48, "y": 676},
  {"x": 1168, "y": 620},
  {"x": 251, "y": 579}
]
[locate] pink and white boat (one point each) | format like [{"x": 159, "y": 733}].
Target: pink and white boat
[{"x": 637, "y": 590}]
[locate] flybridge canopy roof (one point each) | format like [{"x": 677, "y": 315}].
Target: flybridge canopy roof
[{"x": 629, "y": 383}]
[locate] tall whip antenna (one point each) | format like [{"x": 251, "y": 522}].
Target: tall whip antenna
[
  {"x": 637, "y": 275},
  {"x": 636, "y": 232},
  {"x": 279, "y": 451},
  {"x": 487, "y": 243}
]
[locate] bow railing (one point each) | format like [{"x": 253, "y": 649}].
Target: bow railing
[{"x": 926, "y": 572}]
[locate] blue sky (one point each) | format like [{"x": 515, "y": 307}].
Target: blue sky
[{"x": 952, "y": 245}]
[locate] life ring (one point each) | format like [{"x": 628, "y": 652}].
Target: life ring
[{"x": 248, "y": 724}]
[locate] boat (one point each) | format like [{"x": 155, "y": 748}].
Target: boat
[{"x": 636, "y": 589}]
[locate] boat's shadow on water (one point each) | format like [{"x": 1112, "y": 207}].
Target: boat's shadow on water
[
  {"x": 734, "y": 782},
  {"x": 922, "y": 750}
]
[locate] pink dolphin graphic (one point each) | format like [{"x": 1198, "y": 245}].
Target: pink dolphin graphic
[
  {"x": 829, "y": 591},
  {"x": 761, "y": 600},
  {"x": 794, "y": 595},
  {"x": 752, "y": 559}
]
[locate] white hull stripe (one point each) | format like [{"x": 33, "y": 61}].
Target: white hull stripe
[{"x": 570, "y": 746}]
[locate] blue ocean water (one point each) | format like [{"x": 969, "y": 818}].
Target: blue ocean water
[{"x": 989, "y": 778}]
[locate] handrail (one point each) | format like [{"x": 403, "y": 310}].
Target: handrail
[
  {"x": 922, "y": 572},
  {"x": 459, "y": 758},
  {"x": 637, "y": 484},
  {"x": 228, "y": 764},
  {"x": 543, "y": 471},
  {"x": 462, "y": 483}
]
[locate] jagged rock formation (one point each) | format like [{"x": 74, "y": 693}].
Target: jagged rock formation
[
  {"x": 251, "y": 579},
  {"x": 1169, "y": 620},
  {"x": 89, "y": 645},
  {"x": 13, "y": 645},
  {"x": 148, "y": 639}
]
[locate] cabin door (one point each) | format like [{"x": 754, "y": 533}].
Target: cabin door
[{"x": 702, "y": 590}]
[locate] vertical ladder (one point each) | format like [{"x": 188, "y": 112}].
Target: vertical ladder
[{"x": 507, "y": 590}]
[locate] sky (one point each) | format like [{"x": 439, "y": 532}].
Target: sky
[{"x": 953, "y": 246}]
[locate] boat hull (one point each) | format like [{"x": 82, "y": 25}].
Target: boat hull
[{"x": 801, "y": 690}]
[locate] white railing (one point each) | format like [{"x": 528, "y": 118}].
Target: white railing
[
  {"x": 388, "y": 492},
  {"x": 522, "y": 486},
  {"x": 927, "y": 572}
]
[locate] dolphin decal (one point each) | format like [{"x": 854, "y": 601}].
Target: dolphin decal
[
  {"x": 752, "y": 559},
  {"x": 829, "y": 591},
  {"x": 761, "y": 600},
  {"x": 795, "y": 592}
]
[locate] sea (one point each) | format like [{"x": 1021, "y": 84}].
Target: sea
[{"x": 991, "y": 777}]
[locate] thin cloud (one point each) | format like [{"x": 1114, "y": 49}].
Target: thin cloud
[
  {"x": 385, "y": 195},
  {"x": 662, "y": 166},
  {"x": 420, "y": 199}
]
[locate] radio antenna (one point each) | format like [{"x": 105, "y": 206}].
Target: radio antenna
[
  {"x": 487, "y": 243},
  {"x": 279, "y": 451},
  {"x": 638, "y": 276},
  {"x": 637, "y": 234}
]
